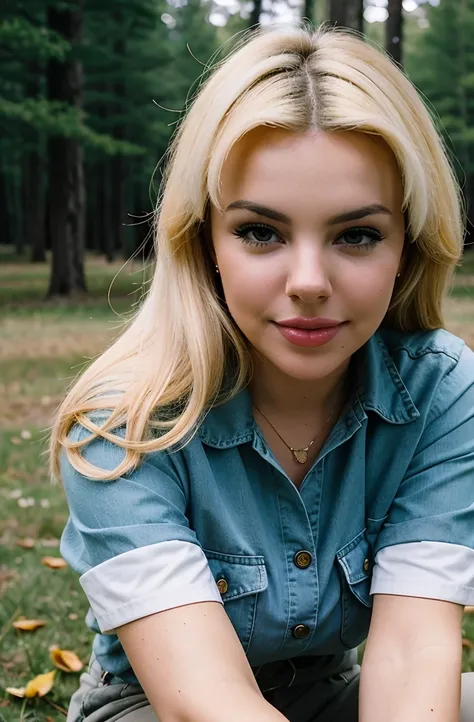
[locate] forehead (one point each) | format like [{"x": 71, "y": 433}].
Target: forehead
[{"x": 296, "y": 169}]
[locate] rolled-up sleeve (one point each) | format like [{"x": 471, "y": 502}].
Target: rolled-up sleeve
[
  {"x": 130, "y": 539},
  {"x": 426, "y": 545}
]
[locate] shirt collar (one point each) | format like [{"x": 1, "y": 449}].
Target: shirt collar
[{"x": 379, "y": 388}]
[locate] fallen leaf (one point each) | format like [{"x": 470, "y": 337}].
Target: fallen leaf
[
  {"x": 40, "y": 685},
  {"x": 73, "y": 617},
  {"x": 468, "y": 610},
  {"x": 65, "y": 660},
  {"x": 28, "y": 625},
  {"x": 26, "y": 543},
  {"x": 16, "y": 691},
  {"x": 49, "y": 542},
  {"x": 467, "y": 644},
  {"x": 54, "y": 562}
]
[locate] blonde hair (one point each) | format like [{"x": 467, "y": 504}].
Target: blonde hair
[{"x": 170, "y": 364}]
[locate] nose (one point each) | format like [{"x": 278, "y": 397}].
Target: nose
[{"x": 308, "y": 275}]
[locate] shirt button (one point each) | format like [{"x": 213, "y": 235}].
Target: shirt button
[
  {"x": 366, "y": 565},
  {"x": 222, "y": 586},
  {"x": 302, "y": 559},
  {"x": 300, "y": 631}
]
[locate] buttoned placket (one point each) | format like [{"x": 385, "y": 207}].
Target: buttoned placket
[{"x": 300, "y": 530}]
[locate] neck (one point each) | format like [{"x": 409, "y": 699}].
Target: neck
[{"x": 275, "y": 393}]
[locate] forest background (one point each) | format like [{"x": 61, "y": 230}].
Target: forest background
[{"x": 90, "y": 94}]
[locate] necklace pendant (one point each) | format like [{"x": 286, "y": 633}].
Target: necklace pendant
[{"x": 300, "y": 455}]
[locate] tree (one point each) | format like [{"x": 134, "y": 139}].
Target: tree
[
  {"x": 394, "y": 30},
  {"x": 347, "y": 13},
  {"x": 442, "y": 67},
  {"x": 65, "y": 156}
]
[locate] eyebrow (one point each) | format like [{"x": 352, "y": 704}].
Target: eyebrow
[{"x": 353, "y": 215}]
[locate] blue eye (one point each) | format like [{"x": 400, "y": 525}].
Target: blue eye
[
  {"x": 260, "y": 235},
  {"x": 263, "y": 235},
  {"x": 371, "y": 235}
]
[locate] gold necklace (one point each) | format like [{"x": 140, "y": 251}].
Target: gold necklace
[{"x": 299, "y": 455}]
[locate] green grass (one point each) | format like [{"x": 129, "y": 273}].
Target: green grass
[{"x": 43, "y": 347}]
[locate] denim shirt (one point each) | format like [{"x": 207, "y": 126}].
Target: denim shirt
[{"x": 387, "y": 507}]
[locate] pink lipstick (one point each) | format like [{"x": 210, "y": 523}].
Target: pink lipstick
[{"x": 309, "y": 332}]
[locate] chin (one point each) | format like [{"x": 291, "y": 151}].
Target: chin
[{"x": 310, "y": 371}]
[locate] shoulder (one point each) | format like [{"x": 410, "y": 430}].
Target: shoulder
[
  {"x": 436, "y": 366},
  {"x": 106, "y": 452},
  {"x": 443, "y": 347}
]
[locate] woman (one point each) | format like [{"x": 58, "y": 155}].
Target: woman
[{"x": 274, "y": 462}]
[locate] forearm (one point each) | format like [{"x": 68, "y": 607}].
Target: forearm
[
  {"x": 421, "y": 687},
  {"x": 232, "y": 704}
]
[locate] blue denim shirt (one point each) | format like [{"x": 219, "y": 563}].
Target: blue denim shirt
[{"x": 397, "y": 469}]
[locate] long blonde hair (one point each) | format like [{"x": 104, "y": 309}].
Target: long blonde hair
[{"x": 169, "y": 365}]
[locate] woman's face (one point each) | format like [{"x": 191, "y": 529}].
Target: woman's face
[{"x": 311, "y": 236}]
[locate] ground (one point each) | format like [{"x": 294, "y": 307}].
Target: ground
[{"x": 43, "y": 347}]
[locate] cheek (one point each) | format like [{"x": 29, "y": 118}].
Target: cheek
[
  {"x": 371, "y": 287},
  {"x": 249, "y": 283}
]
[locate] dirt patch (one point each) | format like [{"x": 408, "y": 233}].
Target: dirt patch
[
  {"x": 37, "y": 339},
  {"x": 460, "y": 319}
]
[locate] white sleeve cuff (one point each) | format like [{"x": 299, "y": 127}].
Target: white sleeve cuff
[
  {"x": 147, "y": 580},
  {"x": 432, "y": 570}
]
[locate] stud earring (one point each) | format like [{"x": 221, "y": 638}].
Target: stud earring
[
  {"x": 398, "y": 275},
  {"x": 217, "y": 268}
]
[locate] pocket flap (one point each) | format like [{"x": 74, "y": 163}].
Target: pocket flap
[
  {"x": 239, "y": 575},
  {"x": 354, "y": 559}
]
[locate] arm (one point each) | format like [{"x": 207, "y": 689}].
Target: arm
[
  {"x": 192, "y": 667},
  {"x": 411, "y": 670}
]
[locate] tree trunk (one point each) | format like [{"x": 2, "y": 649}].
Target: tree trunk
[
  {"x": 107, "y": 225},
  {"x": 394, "y": 30},
  {"x": 34, "y": 170},
  {"x": 66, "y": 164},
  {"x": 117, "y": 164},
  {"x": 36, "y": 207},
  {"x": 254, "y": 19},
  {"x": 6, "y": 209},
  {"x": 347, "y": 13}
]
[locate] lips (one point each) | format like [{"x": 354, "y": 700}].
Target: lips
[
  {"x": 309, "y": 332},
  {"x": 309, "y": 324}
]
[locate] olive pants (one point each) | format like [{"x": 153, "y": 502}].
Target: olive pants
[{"x": 333, "y": 698}]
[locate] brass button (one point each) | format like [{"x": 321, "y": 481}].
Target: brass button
[
  {"x": 302, "y": 559},
  {"x": 300, "y": 631},
  {"x": 366, "y": 565},
  {"x": 222, "y": 586}
]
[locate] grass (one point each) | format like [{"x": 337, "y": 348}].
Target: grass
[{"x": 43, "y": 346}]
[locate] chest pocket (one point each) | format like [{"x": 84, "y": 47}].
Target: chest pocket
[
  {"x": 355, "y": 568},
  {"x": 240, "y": 579}
]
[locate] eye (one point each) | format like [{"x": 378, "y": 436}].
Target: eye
[
  {"x": 363, "y": 238},
  {"x": 257, "y": 234}
]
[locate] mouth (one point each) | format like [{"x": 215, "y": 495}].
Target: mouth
[
  {"x": 309, "y": 323},
  {"x": 309, "y": 332}
]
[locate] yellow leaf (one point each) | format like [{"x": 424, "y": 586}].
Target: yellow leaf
[
  {"x": 65, "y": 660},
  {"x": 16, "y": 691},
  {"x": 468, "y": 610},
  {"x": 26, "y": 543},
  {"x": 28, "y": 625},
  {"x": 54, "y": 562},
  {"x": 40, "y": 685}
]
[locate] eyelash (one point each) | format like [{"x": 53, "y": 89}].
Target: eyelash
[{"x": 243, "y": 230}]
